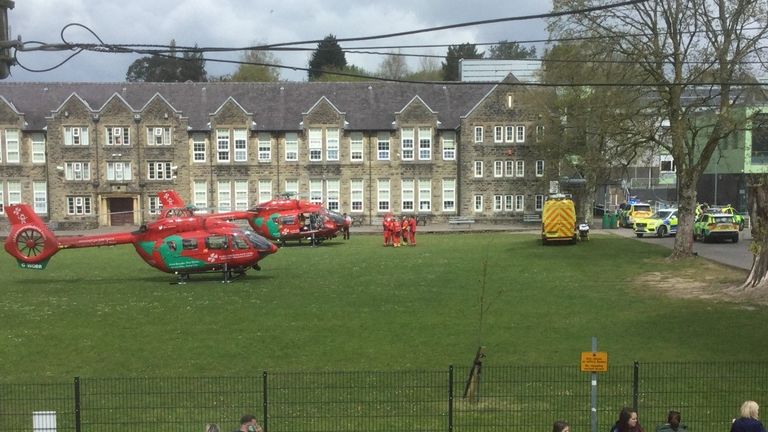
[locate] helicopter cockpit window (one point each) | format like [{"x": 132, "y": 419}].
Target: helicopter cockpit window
[
  {"x": 216, "y": 242},
  {"x": 239, "y": 242},
  {"x": 288, "y": 220},
  {"x": 259, "y": 242},
  {"x": 171, "y": 245},
  {"x": 189, "y": 244}
]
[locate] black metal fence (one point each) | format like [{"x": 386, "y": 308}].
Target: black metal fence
[{"x": 511, "y": 398}]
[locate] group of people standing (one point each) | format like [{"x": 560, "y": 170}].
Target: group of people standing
[
  {"x": 399, "y": 231},
  {"x": 628, "y": 421}
]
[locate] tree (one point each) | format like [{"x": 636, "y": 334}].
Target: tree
[
  {"x": 510, "y": 51},
  {"x": 429, "y": 70},
  {"x": 168, "y": 67},
  {"x": 258, "y": 67},
  {"x": 349, "y": 73},
  {"x": 393, "y": 66},
  {"x": 327, "y": 55},
  {"x": 456, "y": 53},
  {"x": 673, "y": 44}
]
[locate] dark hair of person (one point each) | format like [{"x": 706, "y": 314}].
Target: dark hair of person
[
  {"x": 673, "y": 418},
  {"x": 559, "y": 426},
  {"x": 247, "y": 419}
]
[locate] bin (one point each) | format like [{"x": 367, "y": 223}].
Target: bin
[
  {"x": 613, "y": 219},
  {"x": 606, "y": 220}
]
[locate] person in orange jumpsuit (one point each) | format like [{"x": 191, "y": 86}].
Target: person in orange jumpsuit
[
  {"x": 406, "y": 230},
  {"x": 412, "y": 230},
  {"x": 397, "y": 230},
  {"x": 386, "y": 225}
]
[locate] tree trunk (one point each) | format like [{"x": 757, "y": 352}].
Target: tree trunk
[
  {"x": 757, "y": 194},
  {"x": 685, "y": 215}
]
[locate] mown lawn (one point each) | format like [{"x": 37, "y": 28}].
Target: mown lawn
[{"x": 355, "y": 305}]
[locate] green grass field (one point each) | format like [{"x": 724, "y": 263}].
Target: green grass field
[{"x": 356, "y": 305}]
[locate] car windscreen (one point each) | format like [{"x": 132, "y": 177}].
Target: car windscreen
[
  {"x": 642, "y": 208},
  {"x": 662, "y": 214},
  {"x": 723, "y": 219}
]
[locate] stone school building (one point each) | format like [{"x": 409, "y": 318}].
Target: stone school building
[{"x": 93, "y": 154}]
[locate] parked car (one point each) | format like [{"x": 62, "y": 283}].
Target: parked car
[
  {"x": 634, "y": 211},
  {"x": 737, "y": 218},
  {"x": 717, "y": 226},
  {"x": 660, "y": 224}
]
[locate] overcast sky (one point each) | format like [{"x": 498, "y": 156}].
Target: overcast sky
[{"x": 238, "y": 23}]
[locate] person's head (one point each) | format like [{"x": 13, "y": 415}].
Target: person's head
[
  {"x": 750, "y": 409},
  {"x": 561, "y": 426},
  {"x": 673, "y": 418},
  {"x": 248, "y": 424},
  {"x": 212, "y": 427},
  {"x": 627, "y": 418}
]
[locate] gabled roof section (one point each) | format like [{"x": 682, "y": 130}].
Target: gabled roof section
[
  {"x": 227, "y": 102},
  {"x": 416, "y": 99},
  {"x": 483, "y": 99},
  {"x": 119, "y": 98},
  {"x": 10, "y": 105},
  {"x": 319, "y": 101},
  {"x": 77, "y": 99},
  {"x": 155, "y": 97}
]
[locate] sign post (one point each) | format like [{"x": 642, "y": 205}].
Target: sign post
[{"x": 594, "y": 362}]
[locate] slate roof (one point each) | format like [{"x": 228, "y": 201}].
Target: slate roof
[{"x": 275, "y": 106}]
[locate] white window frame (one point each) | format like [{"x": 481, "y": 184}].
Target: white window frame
[
  {"x": 478, "y": 135},
  {"x": 449, "y": 145},
  {"x": 38, "y": 148},
  {"x": 383, "y": 191},
  {"x": 509, "y": 168},
  {"x": 407, "y": 144},
  {"x": 449, "y": 195},
  {"x": 240, "y": 144},
  {"x": 498, "y": 203},
  {"x": 265, "y": 191},
  {"x": 315, "y": 144},
  {"x": 119, "y": 171},
  {"x": 2, "y": 198},
  {"x": 40, "y": 196},
  {"x": 292, "y": 186},
  {"x": 383, "y": 146},
  {"x": 478, "y": 171},
  {"x": 199, "y": 150},
  {"x": 316, "y": 191},
  {"x": 77, "y": 171},
  {"x": 498, "y": 168},
  {"x": 332, "y": 194},
  {"x": 520, "y": 134},
  {"x": 356, "y": 195},
  {"x": 241, "y": 194},
  {"x": 222, "y": 145},
  {"x": 356, "y": 147},
  {"x": 509, "y": 202},
  {"x": 520, "y": 168},
  {"x": 79, "y": 205},
  {"x": 540, "y": 133},
  {"x": 200, "y": 195},
  {"x": 265, "y": 147},
  {"x": 158, "y": 136},
  {"x": 407, "y": 195},
  {"x": 667, "y": 159},
  {"x": 159, "y": 171},
  {"x": 539, "y": 203},
  {"x": 332, "y": 144},
  {"x": 117, "y": 136},
  {"x": 509, "y": 134},
  {"x": 153, "y": 205},
  {"x": 425, "y": 144},
  {"x": 12, "y": 146},
  {"x": 498, "y": 134},
  {"x": 14, "y": 192},
  {"x": 519, "y": 203},
  {"x": 75, "y": 136},
  {"x": 540, "y": 168},
  {"x": 477, "y": 203},
  {"x": 224, "y": 195},
  {"x": 291, "y": 146},
  {"x": 425, "y": 195}
]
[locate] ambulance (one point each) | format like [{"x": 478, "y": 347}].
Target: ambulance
[{"x": 558, "y": 220}]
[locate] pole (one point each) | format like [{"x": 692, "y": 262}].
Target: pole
[{"x": 593, "y": 391}]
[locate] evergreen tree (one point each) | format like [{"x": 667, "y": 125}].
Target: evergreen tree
[
  {"x": 505, "y": 50},
  {"x": 169, "y": 68},
  {"x": 328, "y": 55},
  {"x": 455, "y": 53}
]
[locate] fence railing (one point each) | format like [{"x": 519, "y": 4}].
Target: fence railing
[{"x": 509, "y": 398}]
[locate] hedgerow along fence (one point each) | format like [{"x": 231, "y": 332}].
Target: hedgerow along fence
[{"x": 509, "y": 398}]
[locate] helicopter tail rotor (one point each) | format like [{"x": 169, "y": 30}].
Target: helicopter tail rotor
[{"x": 29, "y": 241}]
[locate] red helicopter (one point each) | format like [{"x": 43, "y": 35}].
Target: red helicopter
[
  {"x": 177, "y": 243},
  {"x": 282, "y": 219}
]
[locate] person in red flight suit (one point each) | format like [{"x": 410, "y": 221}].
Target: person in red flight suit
[
  {"x": 386, "y": 225},
  {"x": 397, "y": 230},
  {"x": 406, "y": 230},
  {"x": 412, "y": 230}
]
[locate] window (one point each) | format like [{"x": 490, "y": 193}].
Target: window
[
  {"x": 449, "y": 195},
  {"x": 520, "y": 134},
  {"x": 332, "y": 144},
  {"x": 332, "y": 194},
  {"x": 153, "y": 205},
  {"x": 356, "y": 147},
  {"x": 216, "y": 242},
  {"x": 425, "y": 144},
  {"x": 265, "y": 147},
  {"x": 200, "y": 195},
  {"x": 14, "y": 192},
  {"x": 77, "y": 171},
  {"x": 478, "y": 134},
  {"x": 509, "y": 134},
  {"x": 519, "y": 203},
  {"x": 539, "y": 203},
  {"x": 406, "y": 143},
  {"x": 38, "y": 148},
  {"x": 408, "y": 195},
  {"x": 159, "y": 136},
  {"x": 509, "y": 202},
  {"x": 189, "y": 244},
  {"x": 498, "y": 134},
  {"x": 449, "y": 146},
  {"x": 78, "y": 205},
  {"x": 159, "y": 171},
  {"x": 12, "y": 151},
  {"x": 667, "y": 164},
  {"x": 510, "y": 100},
  {"x": 292, "y": 186},
  {"x": 382, "y": 146},
  {"x": 118, "y": 171},
  {"x": 75, "y": 136},
  {"x": 356, "y": 195},
  {"x": 383, "y": 195},
  {"x": 222, "y": 145},
  {"x": 224, "y": 195},
  {"x": 498, "y": 203},
  {"x": 316, "y": 191},
  {"x": 291, "y": 146},
  {"x": 241, "y": 145},
  {"x": 425, "y": 195},
  {"x": 509, "y": 168},
  {"x": 40, "y": 197},
  {"x": 117, "y": 136},
  {"x": 2, "y": 201},
  {"x": 478, "y": 203},
  {"x": 520, "y": 168},
  {"x": 265, "y": 190},
  {"x": 539, "y": 133},
  {"x": 478, "y": 168},
  {"x": 315, "y": 144},
  {"x": 539, "y": 168},
  {"x": 241, "y": 194},
  {"x": 198, "y": 148},
  {"x": 498, "y": 168}
]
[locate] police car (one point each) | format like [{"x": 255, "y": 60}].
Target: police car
[
  {"x": 660, "y": 224},
  {"x": 715, "y": 226}
]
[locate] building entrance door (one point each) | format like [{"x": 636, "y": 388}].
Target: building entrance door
[{"x": 120, "y": 211}]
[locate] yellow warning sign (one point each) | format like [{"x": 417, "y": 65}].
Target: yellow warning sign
[{"x": 594, "y": 361}]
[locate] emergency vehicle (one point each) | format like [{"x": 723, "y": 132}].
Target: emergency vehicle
[{"x": 558, "y": 220}]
